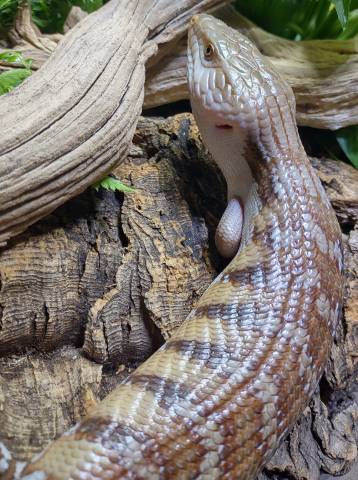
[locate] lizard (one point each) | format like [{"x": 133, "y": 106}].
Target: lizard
[{"x": 216, "y": 400}]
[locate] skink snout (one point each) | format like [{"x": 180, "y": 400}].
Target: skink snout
[{"x": 194, "y": 19}]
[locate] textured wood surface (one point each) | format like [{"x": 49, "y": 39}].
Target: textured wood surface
[
  {"x": 90, "y": 291},
  {"x": 67, "y": 125},
  {"x": 322, "y": 73}
]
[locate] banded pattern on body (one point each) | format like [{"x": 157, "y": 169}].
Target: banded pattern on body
[{"x": 216, "y": 400}]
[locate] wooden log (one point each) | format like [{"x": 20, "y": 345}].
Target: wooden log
[
  {"x": 70, "y": 123},
  {"x": 322, "y": 73}
]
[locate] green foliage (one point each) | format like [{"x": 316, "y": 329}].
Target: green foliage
[
  {"x": 11, "y": 56},
  {"x": 49, "y": 15},
  {"x": 339, "y": 145},
  {"x": 5, "y": 5},
  {"x": 342, "y": 7},
  {"x": 304, "y": 19},
  {"x": 110, "y": 183},
  {"x": 7, "y": 12},
  {"x": 307, "y": 20},
  {"x": 348, "y": 141},
  {"x": 12, "y": 78}
]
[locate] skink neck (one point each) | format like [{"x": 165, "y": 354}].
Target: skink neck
[{"x": 277, "y": 135}]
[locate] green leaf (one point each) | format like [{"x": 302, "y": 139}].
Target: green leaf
[
  {"x": 6, "y": 4},
  {"x": 342, "y": 7},
  {"x": 27, "y": 62},
  {"x": 89, "y": 5},
  {"x": 351, "y": 29},
  {"x": 348, "y": 141},
  {"x": 11, "y": 56},
  {"x": 110, "y": 183},
  {"x": 11, "y": 79}
]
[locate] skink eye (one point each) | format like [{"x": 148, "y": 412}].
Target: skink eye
[{"x": 209, "y": 51}]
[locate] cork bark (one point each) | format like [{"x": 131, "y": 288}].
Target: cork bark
[{"x": 93, "y": 289}]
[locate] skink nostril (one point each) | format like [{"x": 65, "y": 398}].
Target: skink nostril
[
  {"x": 225, "y": 126},
  {"x": 194, "y": 19}
]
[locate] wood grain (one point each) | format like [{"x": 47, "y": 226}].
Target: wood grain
[
  {"x": 68, "y": 124},
  {"x": 322, "y": 73}
]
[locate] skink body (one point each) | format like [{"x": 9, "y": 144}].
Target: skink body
[{"x": 216, "y": 400}]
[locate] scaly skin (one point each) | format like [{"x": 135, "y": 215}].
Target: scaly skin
[{"x": 216, "y": 400}]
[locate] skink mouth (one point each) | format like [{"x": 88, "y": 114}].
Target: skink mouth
[{"x": 224, "y": 126}]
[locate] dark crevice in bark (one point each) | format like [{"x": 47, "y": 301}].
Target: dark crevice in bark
[
  {"x": 154, "y": 332},
  {"x": 122, "y": 236}
]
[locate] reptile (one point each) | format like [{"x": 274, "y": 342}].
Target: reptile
[{"x": 216, "y": 400}]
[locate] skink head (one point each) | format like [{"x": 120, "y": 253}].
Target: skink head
[{"x": 227, "y": 76}]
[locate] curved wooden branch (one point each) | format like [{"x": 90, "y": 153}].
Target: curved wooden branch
[
  {"x": 72, "y": 122},
  {"x": 322, "y": 73}
]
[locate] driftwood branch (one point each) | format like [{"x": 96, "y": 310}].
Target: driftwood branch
[
  {"x": 70, "y": 123},
  {"x": 322, "y": 73},
  {"x": 90, "y": 291}
]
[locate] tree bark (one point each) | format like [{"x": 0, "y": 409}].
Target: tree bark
[
  {"x": 69, "y": 124},
  {"x": 92, "y": 290}
]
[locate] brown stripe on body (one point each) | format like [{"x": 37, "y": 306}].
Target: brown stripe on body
[
  {"x": 77, "y": 459},
  {"x": 198, "y": 350},
  {"x": 108, "y": 432},
  {"x": 222, "y": 292},
  {"x": 208, "y": 354},
  {"x": 173, "y": 367},
  {"x": 123, "y": 406},
  {"x": 166, "y": 390}
]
